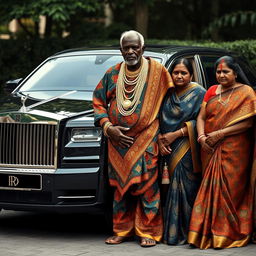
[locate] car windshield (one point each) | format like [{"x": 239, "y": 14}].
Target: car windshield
[{"x": 81, "y": 73}]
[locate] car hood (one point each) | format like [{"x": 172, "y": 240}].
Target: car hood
[{"x": 67, "y": 106}]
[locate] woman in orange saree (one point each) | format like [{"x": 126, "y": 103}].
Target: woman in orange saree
[{"x": 222, "y": 212}]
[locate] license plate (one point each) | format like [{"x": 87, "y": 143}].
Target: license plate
[{"x": 20, "y": 181}]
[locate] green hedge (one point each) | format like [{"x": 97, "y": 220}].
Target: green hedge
[
  {"x": 246, "y": 48},
  {"x": 19, "y": 57}
]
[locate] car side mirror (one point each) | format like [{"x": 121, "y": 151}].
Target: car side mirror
[{"x": 11, "y": 85}]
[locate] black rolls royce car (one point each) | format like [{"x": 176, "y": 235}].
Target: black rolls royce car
[{"x": 51, "y": 155}]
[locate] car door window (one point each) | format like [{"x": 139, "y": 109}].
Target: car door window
[
  {"x": 207, "y": 63},
  {"x": 248, "y": 72}
]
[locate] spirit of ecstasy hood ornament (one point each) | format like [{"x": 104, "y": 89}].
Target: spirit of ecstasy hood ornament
[{"x": 23, "y": 100}]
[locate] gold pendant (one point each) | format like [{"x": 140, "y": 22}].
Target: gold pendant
[{"x": 127, "y": 104}]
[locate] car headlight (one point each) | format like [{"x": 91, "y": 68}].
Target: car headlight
[{"x": 85, "y": 134}]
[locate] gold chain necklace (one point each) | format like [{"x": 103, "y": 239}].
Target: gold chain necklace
[
  {"x": 225, "y": 102},
  {"x": 127, "y": 104},
  {"x": 131, "y": 82}
]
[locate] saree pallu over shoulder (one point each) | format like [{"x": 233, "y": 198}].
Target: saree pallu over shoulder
[
  {"x": 241, "y": 106},
  {"x": 128, "y": 166},
  {"x": 222, "y": 212}
]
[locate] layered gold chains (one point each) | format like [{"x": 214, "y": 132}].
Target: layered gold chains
[{"x": 128, "y": 100}]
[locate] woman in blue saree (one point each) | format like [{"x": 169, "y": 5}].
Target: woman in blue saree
[{"x": 178, "y": 147}]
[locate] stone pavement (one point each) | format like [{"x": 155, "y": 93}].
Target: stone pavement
[{"x": 34, "y": 234}]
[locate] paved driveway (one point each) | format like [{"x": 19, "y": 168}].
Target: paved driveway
[{"x": 34, "y": 234}]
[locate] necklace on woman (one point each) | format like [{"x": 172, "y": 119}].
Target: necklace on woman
[
  {"x": 225, "y": 102},
  {"x": 128, "y": 100}
]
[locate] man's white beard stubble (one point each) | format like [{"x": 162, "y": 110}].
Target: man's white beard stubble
[{"x": 131, "y": 62}]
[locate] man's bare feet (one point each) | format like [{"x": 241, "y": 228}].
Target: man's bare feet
[
  {"x": 147, "y": 242},
  {"x": 116, "y": 239}
]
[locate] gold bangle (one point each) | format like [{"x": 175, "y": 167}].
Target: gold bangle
[
  {"x": 200, "y": 137},
  {"x": 105, "y": 127}
]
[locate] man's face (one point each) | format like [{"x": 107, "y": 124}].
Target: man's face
[{"x": 132, "y": 50}]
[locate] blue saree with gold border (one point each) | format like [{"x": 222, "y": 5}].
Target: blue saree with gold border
[{"x": 183, "y": 163}]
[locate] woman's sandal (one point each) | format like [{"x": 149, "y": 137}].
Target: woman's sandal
[
  {"x": 147, "y": 242},
  {"x": 117, "y": 239}
]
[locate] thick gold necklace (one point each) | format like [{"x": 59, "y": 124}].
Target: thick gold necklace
[{"x": 128, "y": 100}]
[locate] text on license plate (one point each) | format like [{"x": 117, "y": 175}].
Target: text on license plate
[{"x": 20, "y": 181}]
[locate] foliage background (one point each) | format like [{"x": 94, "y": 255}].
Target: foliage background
[{"x": 228, "y": 24}]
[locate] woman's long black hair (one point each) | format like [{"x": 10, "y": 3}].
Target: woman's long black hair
[
  {"x": 232, "y": 64},
  {"x": 183, "y": 61}
]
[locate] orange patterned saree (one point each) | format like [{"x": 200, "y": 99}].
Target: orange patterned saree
[{"x": 222, "y": 212}]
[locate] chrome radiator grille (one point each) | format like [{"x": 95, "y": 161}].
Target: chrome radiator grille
[{"x": 27, "y": 144}]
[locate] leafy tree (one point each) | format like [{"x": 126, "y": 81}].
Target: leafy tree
[
  {"x": 231, "y": 20},
  {"x": 139, "y": 8},
  {"x": 58, "y": 13},
  {"x": 193, "y": 13}
]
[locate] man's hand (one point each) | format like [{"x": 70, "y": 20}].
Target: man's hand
[{"x": 116, "y": 134}]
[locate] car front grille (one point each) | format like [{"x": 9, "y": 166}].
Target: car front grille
[{"x": 27, "y": 144}]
